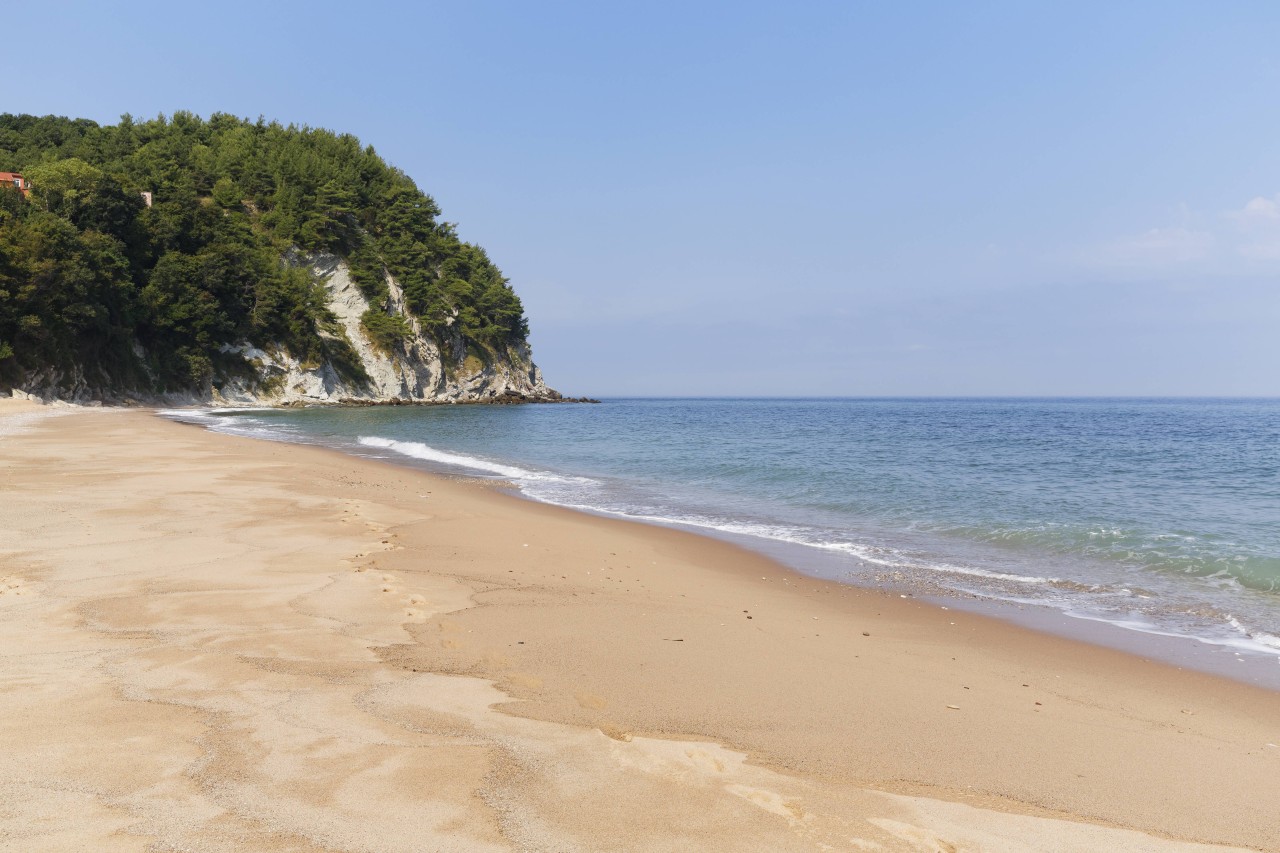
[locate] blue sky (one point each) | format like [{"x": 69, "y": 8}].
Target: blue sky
[{"x": 767, "y": 198}]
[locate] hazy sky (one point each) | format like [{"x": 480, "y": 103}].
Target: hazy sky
[{"x": 769, "y": 198}]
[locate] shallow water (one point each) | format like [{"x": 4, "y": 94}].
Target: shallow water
[{"x": 1159, "y": 516}]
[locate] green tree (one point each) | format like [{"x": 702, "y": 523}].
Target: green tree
[
  {"x": 63, "y": 186},
  {"x": 87, "y": 270},
  {"x": 226, "y": 193}
]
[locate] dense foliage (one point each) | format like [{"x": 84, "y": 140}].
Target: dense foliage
[{"x": 88, "y": 271}]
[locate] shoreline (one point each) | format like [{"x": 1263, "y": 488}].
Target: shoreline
[
  {"x": 1244, "y": 665},
  {"x": 1246, "y": 661},
  {"x": 383, "y": 601}
]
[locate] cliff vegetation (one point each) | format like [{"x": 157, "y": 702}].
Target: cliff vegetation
[{"x": 142, "y": 255}]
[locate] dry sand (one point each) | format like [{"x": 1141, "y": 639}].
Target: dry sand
[{"x": 216, "y": 644}]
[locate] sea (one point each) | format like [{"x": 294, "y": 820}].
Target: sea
[{"x": 1151, "y": 525}]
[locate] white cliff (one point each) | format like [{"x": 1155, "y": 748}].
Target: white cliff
[{"x": 415, "y": 371}]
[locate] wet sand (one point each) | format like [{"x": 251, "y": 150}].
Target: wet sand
[{"x": 212, "y": 643}]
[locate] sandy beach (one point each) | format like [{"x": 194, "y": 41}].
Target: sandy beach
[{"x": 217, "y": 644}]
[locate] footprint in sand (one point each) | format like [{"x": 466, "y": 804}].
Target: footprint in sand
[
  {"x": 919, "y": 836},
  {"x": 590, "y": 701},
  {"x": 10, "y": 587},
  {"x": 496, "y": 660},
  {"x": 615, "y": 731},
  {"x": 704, "y": 760},
  {"x": 529, "y": 682},
  {"x": 770, "y": 801}
]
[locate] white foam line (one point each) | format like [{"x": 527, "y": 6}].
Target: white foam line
[
  {"x": 201, "y": 416},
  {"x": 211, "y": 420},
  {"x": 1249, "y": 643},
  {"x": 1270, "y": 641},
  {"x": 418, "y": 450},
  {"x": 861, "y": 552},
  {"x": 209, "y": 415}
]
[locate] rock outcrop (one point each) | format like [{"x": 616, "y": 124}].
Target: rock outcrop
[{"x": 418, "y": 369}]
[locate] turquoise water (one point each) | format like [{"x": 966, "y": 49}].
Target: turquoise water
[{"x": 1160, "y": 516}]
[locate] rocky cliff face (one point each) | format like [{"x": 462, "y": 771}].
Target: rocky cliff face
[{"x": 415, "y": 371}]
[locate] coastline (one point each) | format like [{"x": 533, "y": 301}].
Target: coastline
[
  {"x": 309, "y": 645},
  {"x": 1205, "y": 625}
]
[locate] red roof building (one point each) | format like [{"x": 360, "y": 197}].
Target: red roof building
[{"x": 17, "y": 181}]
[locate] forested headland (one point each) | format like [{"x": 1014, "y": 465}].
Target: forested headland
[{"x": 143, "y": 251}]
